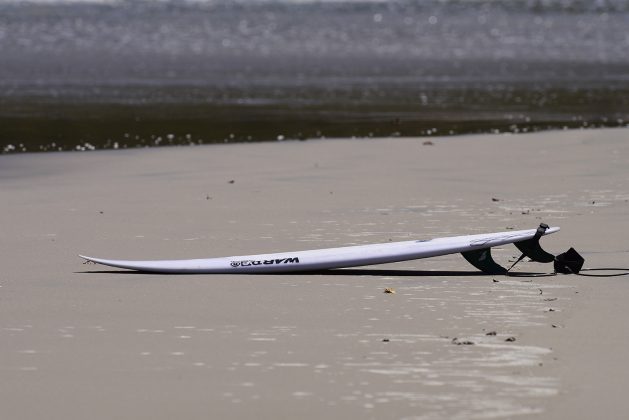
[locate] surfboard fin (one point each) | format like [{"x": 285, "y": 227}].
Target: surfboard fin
[
  {"x": 481, "y": 259},
  {"x": 532, "y": 249}
]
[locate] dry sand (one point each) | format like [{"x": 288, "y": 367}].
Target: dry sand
[{"x": 81, "y": 341}]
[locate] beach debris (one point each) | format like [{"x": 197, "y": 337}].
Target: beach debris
[
  {"x": 550, "y": 310},
  {"x": 491, "y": 333},
  {"x": 458, "y": 342},
  {"x": 389, "y": 290},
  {"x": 550, "y": 299},
  {"x": 385, "y": 340},
  {"x": 510, "y": 339},
  {"x": 428, "y": 143},
  {"x": 553, "y": 325},
  {"x": 494, "y": 199},
  {"x": 231, "y": 181},
  {"x": 495, "y": 281},
  {"x": 541, "y": 292},
  {"x": 88, "y": 262},
  {"x": 207, "y": 197},
  {"x": 101, "y": 212}
]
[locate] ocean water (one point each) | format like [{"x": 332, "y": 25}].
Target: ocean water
[{"x": 85, "y": 74}]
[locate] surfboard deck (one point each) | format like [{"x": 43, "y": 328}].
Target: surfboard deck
[{"x": 328, "y": 258}]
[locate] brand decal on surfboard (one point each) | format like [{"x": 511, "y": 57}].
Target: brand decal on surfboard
[{"x": 247, "y": 263}]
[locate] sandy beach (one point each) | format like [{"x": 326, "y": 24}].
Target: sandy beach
[{"x": 86, "y": 341}]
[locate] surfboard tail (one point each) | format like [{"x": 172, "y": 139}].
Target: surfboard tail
[{"x": 570, "y": 262}]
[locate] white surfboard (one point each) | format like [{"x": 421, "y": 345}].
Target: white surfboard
[{"x": 475, "y": 248}]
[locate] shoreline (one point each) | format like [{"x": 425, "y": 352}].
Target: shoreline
[{"x": 272, "y": 134}]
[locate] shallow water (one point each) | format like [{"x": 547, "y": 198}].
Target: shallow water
[{"x": 93, "y": 74}]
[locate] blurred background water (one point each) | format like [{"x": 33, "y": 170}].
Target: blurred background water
[{"x": 84, "y": 74}]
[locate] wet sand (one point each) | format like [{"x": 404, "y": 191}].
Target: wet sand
[{"x": 84, "y": 341}]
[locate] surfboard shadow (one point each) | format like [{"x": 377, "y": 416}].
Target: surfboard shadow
[
  {"x": 331, "y": 272},
  {"x": 421, "y": 273},
  {"x": 393, "y": 272},
  {"x": 337, "y": 272},
  {"x": 120, "y": 272}
]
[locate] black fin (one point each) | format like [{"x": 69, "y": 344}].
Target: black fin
[
  {"x": 532, "y": 249},
  {"x": 481, "y": 259},
  {"x": 570, "y": 262}
]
